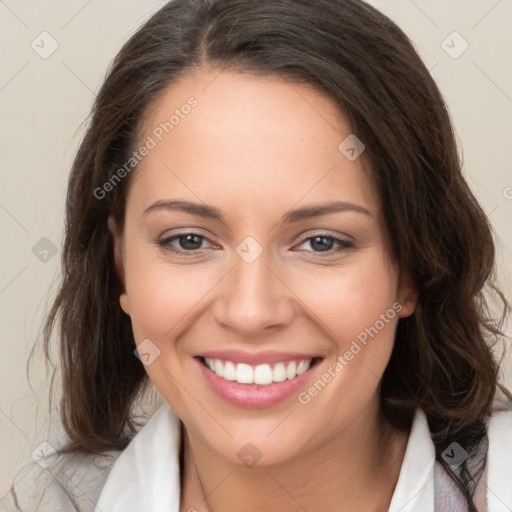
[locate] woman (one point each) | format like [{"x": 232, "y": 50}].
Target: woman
[{"x": 272, "y": 211}]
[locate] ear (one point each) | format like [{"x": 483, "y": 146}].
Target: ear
[
  {"x": 117, "y": 240},
  {"x": 407, "y": 294}
]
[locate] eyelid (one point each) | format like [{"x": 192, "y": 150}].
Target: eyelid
[
  {"x": 312, "y": 234},
  {"x": 190, "y": 231},
  {"x": 165, "y": 241},
  {"x": 342, "y": 244}
]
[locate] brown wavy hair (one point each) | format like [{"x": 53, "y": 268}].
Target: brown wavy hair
[{"x": 443, "y": 360}]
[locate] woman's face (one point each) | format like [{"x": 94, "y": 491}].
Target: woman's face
[{"x": 230, "y": 258}]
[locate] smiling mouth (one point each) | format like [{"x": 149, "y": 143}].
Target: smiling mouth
[{"x": 262, "y": 374}]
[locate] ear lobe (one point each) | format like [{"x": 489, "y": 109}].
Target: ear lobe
[
  {"x": 407, "y": 294},
  {"x": 118, "y": 261}
]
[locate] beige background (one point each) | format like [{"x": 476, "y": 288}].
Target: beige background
[{"x": 44, "y": 101}]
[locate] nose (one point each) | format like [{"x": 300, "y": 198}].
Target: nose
[{"x": 253, "y": 299}]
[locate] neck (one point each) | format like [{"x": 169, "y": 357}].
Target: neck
[{"x": 356, "y": 469}]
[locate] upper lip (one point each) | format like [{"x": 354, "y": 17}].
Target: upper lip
[{"x": 255, "y": 358}]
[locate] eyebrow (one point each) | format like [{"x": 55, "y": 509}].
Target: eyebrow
[{"x": 299, "y": 214}]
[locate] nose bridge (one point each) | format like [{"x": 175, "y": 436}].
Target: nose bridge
[{"x": 253, "y": 298}]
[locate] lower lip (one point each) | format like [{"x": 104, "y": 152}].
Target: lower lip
[{"x": 253, "y": 396}]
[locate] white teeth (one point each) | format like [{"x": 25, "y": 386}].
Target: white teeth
[
  {"x": 219, "y": 370},
  {"x": 244, "y": 373},
  {"x": 262, "y": 374},
  {"x": 279, "y": 372},
  {"x": 291, "y": 370},
  {"x": 303, "y": 366},
  {"x": 229, "y": 371}
]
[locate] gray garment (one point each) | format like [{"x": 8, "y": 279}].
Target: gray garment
[
  {"x": 74, "y": 483},
  {"x": 448, "y": 497},
  {"x": 71, "y": 483}
]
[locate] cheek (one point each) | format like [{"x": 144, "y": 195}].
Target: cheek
[
  {"x": 161, "y": 295},
  {"x": 346, "y": 301},
  {"x": 356, "y": 302}
]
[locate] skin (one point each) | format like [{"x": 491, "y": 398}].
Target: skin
[{"x": 256, "y": 148}]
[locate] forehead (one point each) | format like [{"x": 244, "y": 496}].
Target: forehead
[{"x": 256, "y": 140}]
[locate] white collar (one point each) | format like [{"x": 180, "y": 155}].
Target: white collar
[
  {"x": 146, "y": 476},
  {"x": 415, "y": 487}
]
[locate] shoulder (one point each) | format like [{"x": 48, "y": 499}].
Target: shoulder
[
  {"x": 493, "y": 491},
  {"x": 499, "y": 435},
  {"x": 499, "y": 460},
  {"x": 68, "y": 482},
  {"x": 500, "y": 418}
]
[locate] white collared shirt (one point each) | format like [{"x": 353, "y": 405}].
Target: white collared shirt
[
  {"x": 146, "y": 475},
  {"x": 146, "y": 479}
]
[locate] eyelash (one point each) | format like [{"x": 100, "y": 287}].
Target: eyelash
[{"x": 343, "y": 244}]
